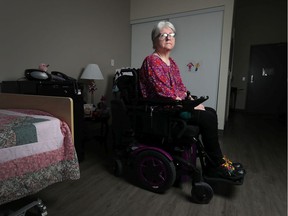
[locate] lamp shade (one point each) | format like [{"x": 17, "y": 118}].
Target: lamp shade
[{"x": 92, "y": 72}]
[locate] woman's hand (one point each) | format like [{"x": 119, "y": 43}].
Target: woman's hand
[
  {"x": 190, "y": 97},
  {"x": 199, "y": 107}
]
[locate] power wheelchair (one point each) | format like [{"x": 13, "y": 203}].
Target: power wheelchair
[{"x": 151, "y": 138}]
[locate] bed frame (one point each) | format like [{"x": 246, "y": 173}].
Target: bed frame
[{"x": 60, "y": 107}]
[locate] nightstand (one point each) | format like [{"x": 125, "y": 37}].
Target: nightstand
[{"x": 98, "y": 120}]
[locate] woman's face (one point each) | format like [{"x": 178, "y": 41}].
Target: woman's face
[{"x": 166, "y": 40}]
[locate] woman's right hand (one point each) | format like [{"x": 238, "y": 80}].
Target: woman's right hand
[{"x": 200, "y": 107}]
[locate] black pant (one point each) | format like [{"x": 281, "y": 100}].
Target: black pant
[{"x": 208, "y": 124}]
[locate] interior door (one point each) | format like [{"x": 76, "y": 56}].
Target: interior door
[{"x": 267, "y": 87}]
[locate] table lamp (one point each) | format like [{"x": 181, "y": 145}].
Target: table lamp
[{"x": 92, "y": 72}]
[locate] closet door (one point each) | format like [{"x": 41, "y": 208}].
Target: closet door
[{"x": 197, "y": 50}]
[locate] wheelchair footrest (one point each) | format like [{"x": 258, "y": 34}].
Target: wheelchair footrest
[{"x": 219, "y": 179}]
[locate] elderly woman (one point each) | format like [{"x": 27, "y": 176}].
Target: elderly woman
[{"x": 160, "y": 77}]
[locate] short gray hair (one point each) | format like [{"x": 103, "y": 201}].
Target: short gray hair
[{"x": 157, "y": 28}]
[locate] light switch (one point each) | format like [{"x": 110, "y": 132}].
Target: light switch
[{"x": 112, "y": 62}]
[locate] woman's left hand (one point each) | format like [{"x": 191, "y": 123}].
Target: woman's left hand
[{"x": 199, "y": 107}]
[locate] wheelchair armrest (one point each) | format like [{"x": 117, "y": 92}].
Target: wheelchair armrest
[
  {"x": 186, "y": 104},
  {"x": 158, "y": 102},
  {"x": 190, "y": 104}
]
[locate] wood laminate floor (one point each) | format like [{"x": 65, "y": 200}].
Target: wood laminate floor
[{"x": 260, "y": 143}]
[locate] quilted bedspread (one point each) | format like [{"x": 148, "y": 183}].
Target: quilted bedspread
[{"x": 36, "y": 150}]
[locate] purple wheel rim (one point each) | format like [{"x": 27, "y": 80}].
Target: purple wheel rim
[{"x": 153, "y": 171}]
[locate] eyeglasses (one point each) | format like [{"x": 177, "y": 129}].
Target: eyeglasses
[{"x": 165, "y": 35}]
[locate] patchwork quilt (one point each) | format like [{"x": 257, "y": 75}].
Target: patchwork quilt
[{"x": 36, "y": 150}]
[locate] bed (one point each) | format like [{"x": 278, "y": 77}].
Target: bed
[{"x": 36, "y": 144}]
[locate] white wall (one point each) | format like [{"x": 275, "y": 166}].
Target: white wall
[
  {"x": 152, "y": 8},
  {"x": 67, "y": 34}
]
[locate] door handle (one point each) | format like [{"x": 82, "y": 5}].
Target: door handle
[{"x": 251, "y": 78}]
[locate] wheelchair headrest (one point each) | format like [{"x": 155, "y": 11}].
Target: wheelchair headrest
[{"x": 126, "y": 83}]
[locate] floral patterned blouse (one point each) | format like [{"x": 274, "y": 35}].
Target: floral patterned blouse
[{"x": 157, "y": 79}]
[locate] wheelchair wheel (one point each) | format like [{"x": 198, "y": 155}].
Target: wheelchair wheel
[
  {"x": 155, "y": 172},
  {"x": 202, "y": 193}
]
